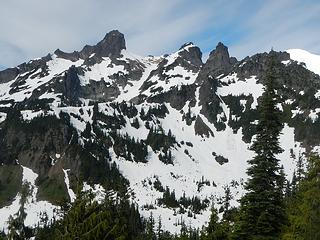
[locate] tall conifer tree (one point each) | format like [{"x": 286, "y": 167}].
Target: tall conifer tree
[{"x": 262, "y": 213}]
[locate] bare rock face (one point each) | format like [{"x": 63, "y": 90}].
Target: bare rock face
[
  {"x": 219, "y": 61},
  {"x": 11, "y": 73},
  {"x": 191, "y": 53},
  {"x": 100, "y": 91},
  {"x": 201, "y": 128},
  {"x": 110, "y": 46},
  {"x": 71, "y": 89},
  {"x": 69, "y": 56},
  {"x": 8, "y": 75}
]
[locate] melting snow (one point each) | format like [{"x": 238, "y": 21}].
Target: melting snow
[
  {"x": 33, "y": 208},
  {"x": 66, "y": 180}
]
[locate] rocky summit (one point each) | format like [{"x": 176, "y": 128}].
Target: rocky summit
[{"x": 107, "y": 120}]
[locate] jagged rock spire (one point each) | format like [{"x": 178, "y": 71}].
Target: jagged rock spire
[
  {"x": 110, "y": 46},
  {"x": 191, "y": 53},
  {"x": 219, "y": 60}
]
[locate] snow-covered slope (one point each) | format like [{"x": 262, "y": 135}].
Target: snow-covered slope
[
  {"x": 311, "y": 61},
  {"x": 165, "y": 121}
]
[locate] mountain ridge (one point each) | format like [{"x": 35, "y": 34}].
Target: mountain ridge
[{"x": 125, "y": 123}]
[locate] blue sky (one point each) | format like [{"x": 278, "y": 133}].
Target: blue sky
[{"x": 34, "y": 28}]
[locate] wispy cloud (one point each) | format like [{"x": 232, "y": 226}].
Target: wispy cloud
[
  {"x": 282, "y": 25},
  {"x": 35, "y": 27}
]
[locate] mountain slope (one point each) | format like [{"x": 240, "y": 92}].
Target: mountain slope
[
  {"x": 311, "y": 61},
  {"x": 145, "y": 126}
]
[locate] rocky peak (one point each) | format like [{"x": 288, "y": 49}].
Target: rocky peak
[
  {"x": 191, "y": 53},
  {"x": 186, "y": 45},
  {"x": 110, "y": 46},
  {"x": 219, "y": 60},
  {"x": 8, "y": 74}
]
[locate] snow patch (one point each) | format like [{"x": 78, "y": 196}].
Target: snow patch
[
  {"x": 33, "y": 208},
  {"x": 66, "y": 180},
  {"x": 311, "y": 61},
  {"x": 237, "y": 88}
]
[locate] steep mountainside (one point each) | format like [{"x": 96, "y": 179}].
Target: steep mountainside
[{"x": 170, "y": 132}]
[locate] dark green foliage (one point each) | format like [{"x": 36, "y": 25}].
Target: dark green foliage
[
  {"x": 298, "y": 174},
  {"x": 169, "y": 199},
  {"x": 129, "y": 148},
  {"x": 304, "y": 205},
  {"x": 221, "y": 159},
  {"x": 65, "y": 118},
  {"x": 96, "y": 168},
  {"x": 262, "y": 208},
  {"x": 166, "y": 157},
  {"x": 244, "y": 116},
  {"x": 87, "y": 131},
  {"x": 52, "y": 189},
  {"x": 111, "y": 122},
  {"x": 10, "y": 183},
  {"x": 214, "y": 109},
  {"x": 158, "y": 185},
  {"x": 202, "y": 182},
  {"x": 150, "y": 229},
  {"x": 158, "y": 140},
  {"x": 194, "y": 204},
  {"x": 135, "y": 123},
  {"x": 216, "y": 230},
  {"x": 16, "y": 228},
  {"x": 87, "y": 219},
  {"x": 188, "y": 117},
  {"x": 306, "y": 131},
  {"x": 128, "y": 110},
  {"x": 159, "y": 111},
  {"x": 125, "y": 109},
  {"x": 38, "y": 104},
  {"x": 95, "y": 112}
]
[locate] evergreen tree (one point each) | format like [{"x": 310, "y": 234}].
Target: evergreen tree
[
  {"x": 88, "y": 219},
  {"x": 95, "y": 112},
  {"x": 87, "y": 131},
  {"x": 262, "y": 213},
  {"x": 150, "y": 234},
  {"x": 16, "y": 228},
  {"x": 304, "y": 206},
  {"x": 226, "y": 199},
  {"x": 159, "y": 228},
  {"x": 216, "y": 230}
]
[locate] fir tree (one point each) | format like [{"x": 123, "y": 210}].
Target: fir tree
[
  {"x": 216, "y": 230},
  {"x": 304, "y": 207},
  {"x": 95, "y": 112},
  {"x": 150, "y": 234},
  {"x": 262, "y": 212},
  {"x": 87, "y": 131}
]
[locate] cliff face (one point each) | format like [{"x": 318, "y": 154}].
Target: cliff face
[{"x": 122, "y": 123}]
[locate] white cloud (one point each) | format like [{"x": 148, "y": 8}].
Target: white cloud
[
  {"x": 281, "y": 24},
  {"x": 35, "y": 27}
]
